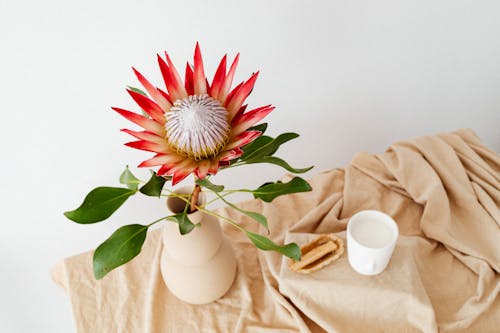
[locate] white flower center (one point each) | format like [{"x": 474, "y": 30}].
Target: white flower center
[{"x": 197, "y": 126}]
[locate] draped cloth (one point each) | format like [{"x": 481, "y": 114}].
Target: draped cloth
[{"x": 444, "y": 276}]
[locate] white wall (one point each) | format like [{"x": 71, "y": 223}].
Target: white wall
[{"x": 348, "y": 76}]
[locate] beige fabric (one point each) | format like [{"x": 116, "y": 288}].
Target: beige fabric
[{"x": 444, "y": 193}]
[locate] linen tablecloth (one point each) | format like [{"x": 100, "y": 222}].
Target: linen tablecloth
[{"x": 444, "y": 193}]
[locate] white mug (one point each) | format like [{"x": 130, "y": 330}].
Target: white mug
[{"x": 371, "y": 238}]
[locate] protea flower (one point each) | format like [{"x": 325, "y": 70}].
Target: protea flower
[{"x": 193, "y": 127}]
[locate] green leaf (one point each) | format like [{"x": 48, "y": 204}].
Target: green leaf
[
  {"x": 269, "y": 191},
  {"x": 277, "y": 161},
  {"x": 137, "y": 90},
  {"x": 121, "y": 247},
  {"x": 291, "y": 250},
  {"x": 154, "y": 185},
  {"x": 208, "y": 184},
  {"x": 256, "y": 216},
  {"x": 127, "y": 178},
  {"x": 270, "y": 147},
  {"x": 99, "y": 204},
  {"x": 182, "y": 219},
  {"x": 260, "y": 127},
  {"x": 255, "y": 145}
]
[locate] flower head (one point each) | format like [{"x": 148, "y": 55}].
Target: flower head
[{"x": 193, "y": 127}]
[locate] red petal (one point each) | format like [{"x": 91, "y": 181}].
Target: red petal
[
  {"x": 219, "y": 77},
  {"x": 164, "y": 169},
  {"x": 142, "y": 121},
  {"x": 242, "y": 122},
  {"x": 161, "y": 159},
  {"x": 207, "y": 84},
  {"x": 200, "y": 86},
  {"x": 188, "y": 81},
  {"x": 183, "y": 164},
  {"x": 243, "y": 139},
  {"x": 165, "y": 72},
  {"x": 152, "y": 91},
  {"x": 179, "y": 176},
  {"x": 240, "y": 112},
  {"x": 239, "y": 97},
  {"x": 182, "y": 170},
  {"x": 164, "y": 94},
  {"x": 145, "y": 135},
  {"x": 233, "y": 92},
  {"x": 214, "y": 167},
  {"x": 202, "y": 170},
  {"x": 148, "y": 146},
  {"x": 177, "y": 81},
  {"x": 150, "y": 107},
  {"x": 228, "y": 80},
  {"x": 171, "y": 78},
  {"x": 231, "y": 155}
]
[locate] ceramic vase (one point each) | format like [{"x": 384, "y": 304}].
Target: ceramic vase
[{"x": 198, "y": 267}]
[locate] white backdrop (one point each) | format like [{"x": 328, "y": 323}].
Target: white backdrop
[{"x": 348, "y": 76}]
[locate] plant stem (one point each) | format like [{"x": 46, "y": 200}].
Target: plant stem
[
  {"x": 235, "y": 191},
  {"x": 176, "y": 195},
  {"x": 156, "y": 221},
  {"x": 227, "y": 219},
  {"x": 217, "y": 198},
  {"x": 194, "y": 198}
]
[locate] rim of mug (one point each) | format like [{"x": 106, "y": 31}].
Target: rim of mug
[{"x": 392, "y": 224}]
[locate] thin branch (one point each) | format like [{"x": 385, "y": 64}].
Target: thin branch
[{"x": 193, "y": 204}]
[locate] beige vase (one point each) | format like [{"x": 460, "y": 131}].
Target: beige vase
[{"x": 199, "y": 267}]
